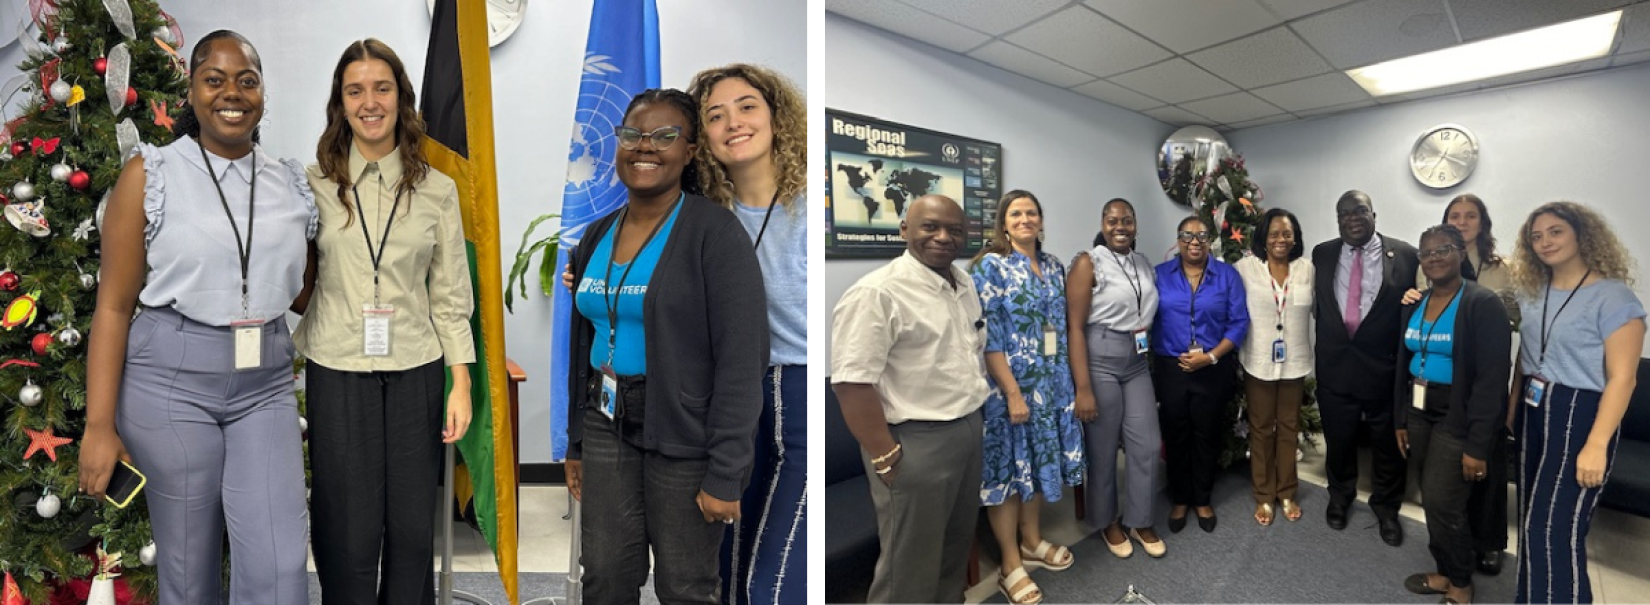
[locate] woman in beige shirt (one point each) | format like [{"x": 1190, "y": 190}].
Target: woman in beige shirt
[{"x": 390, "y": 311}]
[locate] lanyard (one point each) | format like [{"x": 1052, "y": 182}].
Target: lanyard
[
  {"x": 1282, "y": 302},
  {"x": 1426, "y": 335},
  {"x": 1192, "y": 315},
  {"x": 765, "y": 218},
  {"x": 1134, "y": 280},
  {"x": 1546, "y": 323},
  {"x": 242, "y": 250},
  {"x": 383, "y": 240},
  {"x": 612, "y": 304}
]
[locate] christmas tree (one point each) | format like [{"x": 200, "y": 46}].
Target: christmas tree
[
  {"x": 103, "y": 77},
  {"x": 1228, "y": 201}
]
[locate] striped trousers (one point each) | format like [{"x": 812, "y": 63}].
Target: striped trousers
[
  {"x": 1554, "y": 511},
  {"x": 765, "y": 554}
]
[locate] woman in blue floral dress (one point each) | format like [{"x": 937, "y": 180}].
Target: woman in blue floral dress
[{"x": 1033, "y": 443}]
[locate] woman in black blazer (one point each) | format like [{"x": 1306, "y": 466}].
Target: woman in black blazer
[{"x": 1449, "y": 402}]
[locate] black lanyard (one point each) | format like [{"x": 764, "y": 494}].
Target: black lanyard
[
  {"x": 612, "y": 304},
  {"x": 382, "y": 241},
  {"x": 1193, "y": 315},
  {"x": 765, "y": 218},
  {"x": 243, "y": 250},
  {"x": 1547, "y": 323},
  {"x": 1134, "y": 280},
  {"x": 1426, "y": 335}
]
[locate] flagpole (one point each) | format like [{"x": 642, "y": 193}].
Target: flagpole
[
  {"x": 446, "y": 593},
  {"x": 574, "y": 594}
]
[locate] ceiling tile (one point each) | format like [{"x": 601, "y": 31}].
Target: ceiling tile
[
  {"x": 1635, "y": 34},
  {"x": 1295, "y": 9},
  {"x": 1479, "y": 19},
  {"x": 1103, "y": 48},
  {"x": 909, "y": 22},
  {"x": 1270, "y": 57},
  {"x": 1369, "y": 32},
  {"x": 990, "y": 16},
  {"x": 1318, "y": 91},
  {"x": 1334, "y": 109},
  {"x": 1029, "y": 64},
  {"x": 1261, "y": 122},
  {"x": 1188, "y": 25},
  {"x": 1177, "y": 116},
  {"x": 1117, "y": 95},
  {"x": 1232, "y": 108},
  {"x": 1174, "y": 81}
]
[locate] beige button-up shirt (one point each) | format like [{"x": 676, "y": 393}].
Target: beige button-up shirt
[
  {"x": 424, "y": 272},
  {"x": 920, "y": 341}
]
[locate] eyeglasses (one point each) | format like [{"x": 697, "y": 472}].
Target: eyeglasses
[
  {"x": 1356, "y": 212},
  {"x": 1200, "y": 236},
  {"x": 662, "y": 138},
  {"x": 1440, "y": 252}
]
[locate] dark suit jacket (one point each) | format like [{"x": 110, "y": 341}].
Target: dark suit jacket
[
  {"x": 1480, "y": 348},
  {"x": 1361, "y": 366}
]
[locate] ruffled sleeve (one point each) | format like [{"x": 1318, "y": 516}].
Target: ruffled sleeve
[
  {"x": 300, "y": 182},
  {"x": 154, "y": 188}
]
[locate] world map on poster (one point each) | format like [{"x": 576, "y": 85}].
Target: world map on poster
[{"x": 884, "y": 187}]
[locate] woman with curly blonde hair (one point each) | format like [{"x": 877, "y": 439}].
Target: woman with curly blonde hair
[
  {"x": 752, "y": 158},
  {"x": 1582, "y": 333}
]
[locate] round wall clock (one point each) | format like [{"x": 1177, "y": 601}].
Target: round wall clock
[
  {"x": 503, "y": 17},
  {"x": 1444, "y": 156}
]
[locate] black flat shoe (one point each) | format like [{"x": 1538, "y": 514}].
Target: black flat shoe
[
  {"x": 1175, "y": 525},
  {"x": 1207, "y": 523},
  {"x": 1489, "y": 563},
  {"x": 1391, "y": 532},
  {"x": 1335, "y": 516}
]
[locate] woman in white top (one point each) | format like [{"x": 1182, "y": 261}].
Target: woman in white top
[
  {"x": 1276, "y": 356},
  {"x": 1111, "y": 298}
]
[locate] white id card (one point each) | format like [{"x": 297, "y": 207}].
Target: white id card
[
  {"x": 249, "y": 343},
  {"x": 610, "y": 393},
  {"x": 375, "y": 329},
  {"x": 1195, "y": 350},
  {"x": 1419, "y": 394},
  {"x": 1535, "y": 391},
  {"x": 1141, "y": 345},
  {"x": 1279, "y": 352},
  {"x": 1051, "y": 341}
]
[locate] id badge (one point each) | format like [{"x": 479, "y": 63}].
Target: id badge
[
  {"x": 1279, "y": 352},
  {"x": 375, "y": 329},
  {"x": 610, "y": 393},
  {"x": 1419, "y": 394},
  {"x": 249, "y": 343},
  {"x": 1196, "y": 349},
  {"x": 1535, "y": 391},
  {"x": 1141, "y": 345},
  {"x": 1051, "y": 341}
]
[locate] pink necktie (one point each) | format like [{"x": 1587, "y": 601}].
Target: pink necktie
[{"x": 1355, "y": 293}]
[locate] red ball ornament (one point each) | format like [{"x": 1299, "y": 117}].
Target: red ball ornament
[
  {"x": 9, "y": 280},
  {"x": 40, "y": 342},
  {"x": 80, "y": 180},
  {"x": 100, "y": 65},
  {"x": 131, "y": 97},
  {"x": 18, "y": 149}
]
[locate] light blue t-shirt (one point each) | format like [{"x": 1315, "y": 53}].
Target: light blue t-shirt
[
  {"x": 783, "y": 254},
  {"x": 1575, "y": 343},
  {"x": 1435, "y": 364},
  {"x": 593, "y": 297}
]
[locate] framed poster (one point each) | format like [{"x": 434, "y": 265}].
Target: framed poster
[{"x": 877, "y": 168}]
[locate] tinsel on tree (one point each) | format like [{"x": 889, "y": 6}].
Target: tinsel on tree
[
  {"x": 1230, "y": 202},
  {"x": 102, "y": 75}
]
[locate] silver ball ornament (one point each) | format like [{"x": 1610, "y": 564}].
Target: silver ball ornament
[
  {"x": 88, "y": 281},
  {"x": 31, "y": 395},
  {"x": 48, "y": 506},
  {"x": 61, "y": 172},
  {"x": 146, "y": 555},
  {"x": 61, "y": 45},
  {"x": 23, "y": 191},
  {"x": 164, "y": 33},
  {"x": 69, "y": 337},
  {"x": 60, "y": 91},
  {"x": 303, "y": 425}
]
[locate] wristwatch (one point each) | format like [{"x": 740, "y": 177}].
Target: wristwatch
[{"x": 1213, "y": 358}]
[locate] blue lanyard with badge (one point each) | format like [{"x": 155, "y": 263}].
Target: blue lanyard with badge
[
  {"x": 1535, "y": 391},
  {"x": 610, "y": 405},
  {"x": 248, "y": 330},
  {"x": 1418, "y": 396},
  {"x": 376, "y": 316}
]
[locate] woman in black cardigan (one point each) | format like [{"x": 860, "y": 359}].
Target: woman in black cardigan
[
  {"x": 666, "y": 368},
  {"x": 1450, "y": 403}
]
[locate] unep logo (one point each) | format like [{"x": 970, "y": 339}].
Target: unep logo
[{"x": 949, "y": 151}]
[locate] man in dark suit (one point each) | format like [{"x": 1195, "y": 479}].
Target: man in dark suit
[{"x": 1360, "y": 280}]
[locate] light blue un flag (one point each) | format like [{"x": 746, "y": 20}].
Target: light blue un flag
[{"x": 621, "y": 59}]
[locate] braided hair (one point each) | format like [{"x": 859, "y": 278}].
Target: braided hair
[
  {"x": 684, "y": 103},
  {"x": 188, "y": 125}
]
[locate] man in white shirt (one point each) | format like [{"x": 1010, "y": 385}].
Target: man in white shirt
[{"x": 907, "y": 344}]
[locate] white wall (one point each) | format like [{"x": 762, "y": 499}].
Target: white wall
[
  {"x": 1579, "y": 139},
  {"x": 535, "y": 84},
  {"x": 1072, "y": 151}
]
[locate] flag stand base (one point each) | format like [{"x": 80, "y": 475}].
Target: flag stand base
[
  {"x": 575, "y": 572},
  {"x": 445, "y": 594}
]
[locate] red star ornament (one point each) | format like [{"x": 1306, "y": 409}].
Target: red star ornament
[
  {"x": 44, "y": 441},
  {"x": 161, "y": 119},
  {"x": 1237, "y": 236}
]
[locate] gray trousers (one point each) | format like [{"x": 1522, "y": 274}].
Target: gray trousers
[
  {"x": 217, "y": 446},
  {"x": 933, "y": 504},
  {"x": 1127, "y": 402}
]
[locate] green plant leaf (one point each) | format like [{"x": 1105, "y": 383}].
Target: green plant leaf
[{"x": 547, "y": 269}]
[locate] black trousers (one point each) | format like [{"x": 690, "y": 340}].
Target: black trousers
[
  {"x": 1435, "y": 455},
  {"x": 1192, "y": 413},
  {"x": 1487, "y": 509},
  {"x": 1343, "y": 414},
  {"x": 375, "y": 456}
]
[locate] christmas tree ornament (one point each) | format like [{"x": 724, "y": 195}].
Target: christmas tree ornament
[
  {"x": 48, "y": 506},
  {"x": 48, "y": 146},
  {"x": 162, "y": 33},
  {"x": 18, "y": 148},
  {"x": 9, "y": 280},
  {"x": 41, "y": 343},
  {"x": 61, "y": 44},
  {"x": 31, "y": 395},
  {"x": 303, "y": 425},
  {"x": 60, "y": 91},
  {"x": 76, "y": 95},
  {"x": 28, "y": 216},
  {"x": 44, "y": 441},
  {"x": 88, "y": 281},
  {"x": 121, "y": 12},
  {"x": 103, "y": 584},
  {"x": 69, "y": 337},
  {"x": 131, "y": 97},
  {"x": 84, "y": 231},
  {"x": 80, "y": 180},
  {"x": 61, "y": 172},
  {"x": 161, "y": 118},
  {"x": 12, "y": 596},
  {"x": 117, "y": 79},
  {"x": 100, "y": 65},
  {"x": 146, "y": 555},
  {"x": 23, "y": 191},
  {"x": 21, "y": 311}
]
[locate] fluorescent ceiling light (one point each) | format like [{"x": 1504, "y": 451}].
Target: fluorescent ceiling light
[{"x": 1559, "y": 44}]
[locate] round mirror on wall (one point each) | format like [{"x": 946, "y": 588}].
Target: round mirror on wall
[{"x": 1187, "y": 154}]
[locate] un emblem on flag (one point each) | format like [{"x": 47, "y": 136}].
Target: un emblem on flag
[{"x": 593, "y": 188}]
